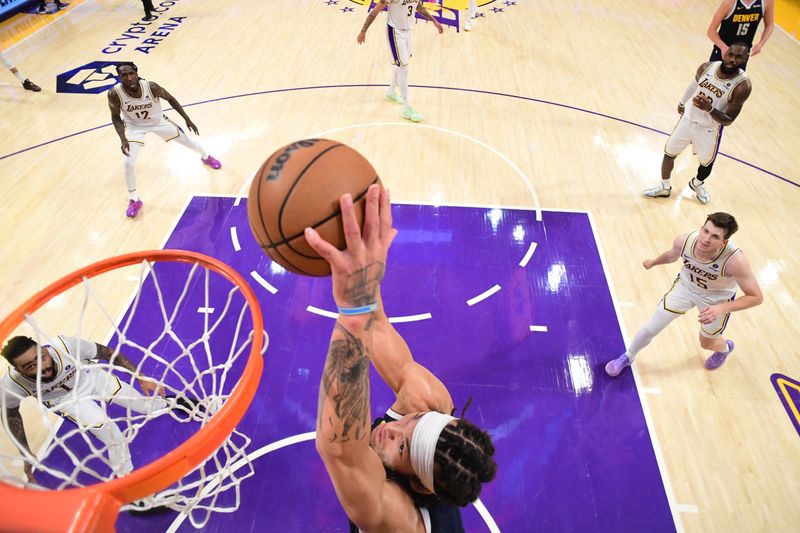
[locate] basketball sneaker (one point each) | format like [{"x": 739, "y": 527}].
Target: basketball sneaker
[
  {"x": 700, "y": 191},
  {"x": 210, "y": 161},
  {"x": 30, "y": 86},
  {"x": 393, "y": 97},
  {"x": 657, "y": 192},
  {"x": 468, "y": 25},
  {"x": 133, "y": 208},
  {"x": 410, "y": 114},
  {"x": 717, "y": 359},
  {"x": 613, "y": 368}
]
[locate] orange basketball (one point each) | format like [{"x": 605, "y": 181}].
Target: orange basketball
[{"x": 298, "y": 186}]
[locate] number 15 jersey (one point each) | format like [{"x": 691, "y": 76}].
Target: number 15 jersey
[
  {"x": 144, "y": 111},
  {"x": 707, "y": 279}
]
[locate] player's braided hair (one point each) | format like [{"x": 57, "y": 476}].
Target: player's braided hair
[
  {"x": 127, "y": 64},
  {"x": 15, "y": 347},
  {"x": 462, "y": 463}
]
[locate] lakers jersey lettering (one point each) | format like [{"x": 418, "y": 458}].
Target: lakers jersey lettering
[
  {"x": 705, "y": 84},
  {"x": 130, "y": 108}
]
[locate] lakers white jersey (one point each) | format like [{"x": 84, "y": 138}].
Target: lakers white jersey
[
  {"x": 68, "y": 354},
  {"x": 400, "y": 13},
  {"x": 144, "y": 111},
  {"x": 718, "y": 89},
  {"x": 707, "y": 278}
]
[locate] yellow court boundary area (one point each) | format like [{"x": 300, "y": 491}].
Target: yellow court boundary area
[
  {"x": 16, "y": 28},
  {"x": 787, "y": 16}
]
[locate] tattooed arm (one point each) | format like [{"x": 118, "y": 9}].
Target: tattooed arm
[
  {"x": 379, "y": 6},
  {"x": 343, "y": 416},
  {"x": 343, "y": 423},
  {"x": 14, "y": 425},
  {"x": 422, "y": 10},
  {"x": 148, "y": 386}
]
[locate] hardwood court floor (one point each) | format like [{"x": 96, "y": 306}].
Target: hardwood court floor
[{"x": 577, "y": 97}]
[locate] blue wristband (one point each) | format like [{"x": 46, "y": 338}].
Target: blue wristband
[{"x": 363, "y": 310}]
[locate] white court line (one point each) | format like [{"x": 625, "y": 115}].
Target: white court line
[
  {"x": 206, "y": 310},
  {"x": 261, "y": 281},
  {"x": 410, "y": 318},
  {"x": 650, "y": 390},
  {"x": 235, "y": 239},
  {"x": 542, "y": 329},
  {"x": 528, "y": 255},
  {"x": 289, "y": 441},
  {"x": 496, "y": 152},
  {"x": 662, "y": 468},
  {"x": 243, "y": 192},
  {"x": 685, "y": 508},
  {"x": 487, "y": 517},
  {"x": 321, "y": 312},
  {"x": 482, "y": 296}
]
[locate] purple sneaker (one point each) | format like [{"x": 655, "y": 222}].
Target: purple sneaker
[
  {"x": 613, "y": 368},
  {"x": 133, "y": 208},
  {"x": 717, "y": 359},
  {"x": 210, "y": 161}
]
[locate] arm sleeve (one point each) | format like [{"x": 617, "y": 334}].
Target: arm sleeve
[
  {"x": 10, "y": 395},
  {"x": 689, "y": 92}
]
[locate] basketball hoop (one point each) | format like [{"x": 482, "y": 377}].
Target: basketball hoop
[{"x": 95, "y": 507}]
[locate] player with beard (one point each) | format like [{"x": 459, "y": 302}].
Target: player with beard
[
  {"x": 65, "y": 377},
  {"x": 717, "y": 94},
  {"x": 411, "y": 470}
]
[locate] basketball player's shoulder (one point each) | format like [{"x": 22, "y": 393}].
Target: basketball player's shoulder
[{"x": 113, "y": 94}]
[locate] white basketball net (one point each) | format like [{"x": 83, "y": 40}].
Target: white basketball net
[{"x": 197, "y": 358}]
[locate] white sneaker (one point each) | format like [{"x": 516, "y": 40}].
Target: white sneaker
[
  {"x": 657, "y": 192},
  {"x": 468, "y": 25},
  {"x": 700, "y": 191}
]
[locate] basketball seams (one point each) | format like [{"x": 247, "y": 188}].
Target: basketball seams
[
  {"x": 293, "y": 186},
  {"x": 330, "y": 217},
  {"x": 258, "y": 202}
]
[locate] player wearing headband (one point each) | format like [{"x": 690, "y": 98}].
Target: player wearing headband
[{"x": 412, "y": 469}]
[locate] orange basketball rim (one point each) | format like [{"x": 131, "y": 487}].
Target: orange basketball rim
[{"x": 95, "y": 508}]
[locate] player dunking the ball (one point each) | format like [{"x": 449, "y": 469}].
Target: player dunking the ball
[
  {"x": 412, "y": 469},
  {"x": 139, "y": 102}
]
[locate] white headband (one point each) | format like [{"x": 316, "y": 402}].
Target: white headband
[{"x": 423, "y": 445}]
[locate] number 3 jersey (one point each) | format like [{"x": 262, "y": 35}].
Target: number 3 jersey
[
  {"x": 707, "y": 279},
  {"x": 400, "y": 13},
  {"x": 144, "y": 111},
  {"x": 69, "y": 354}
]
